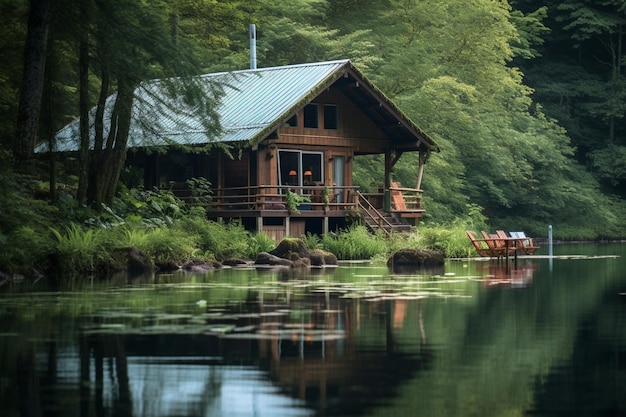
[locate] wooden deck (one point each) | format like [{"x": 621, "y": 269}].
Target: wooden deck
[{"x": 271, "y": 209}]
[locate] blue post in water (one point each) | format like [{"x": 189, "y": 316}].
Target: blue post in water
[
  {"x": 550, "y": 247},
  {"x": 550, "y": 241}
]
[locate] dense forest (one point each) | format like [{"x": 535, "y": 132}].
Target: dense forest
[{"x": 525, "y": 97}]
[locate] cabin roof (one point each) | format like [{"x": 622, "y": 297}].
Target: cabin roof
[{"x": 255, "y": 103}]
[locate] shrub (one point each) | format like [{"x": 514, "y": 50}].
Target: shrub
[
  {"x": 25, "y": 247},
  {"x": 451, "y": 240},
  {"x": 223, "y": 240},
  {"x": 169, "y": 244}
]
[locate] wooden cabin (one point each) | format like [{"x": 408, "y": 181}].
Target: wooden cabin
[{"x": 296, "y": 131}]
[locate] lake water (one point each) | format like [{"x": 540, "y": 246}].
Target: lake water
[{"x": 539, "y": 337}]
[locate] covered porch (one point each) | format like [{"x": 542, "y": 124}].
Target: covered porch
[{"x": 281, "y": 211}]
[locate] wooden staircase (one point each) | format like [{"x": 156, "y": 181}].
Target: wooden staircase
[{"x": 376, "y": 220}]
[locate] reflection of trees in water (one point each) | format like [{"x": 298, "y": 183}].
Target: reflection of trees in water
[
  {"x": 28, "y": 383},
  {"x": 307, "y": 345},
  {"x": 304, "y": 336},
  {"x": 152, "y": 376},
  {"x": 109, "y": 359}
]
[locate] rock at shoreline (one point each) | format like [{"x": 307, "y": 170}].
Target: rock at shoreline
[
  {"x": 290, "y": 248},
  {"x": 139, "y": 261},
  {"x": 265, "y": 258},
  {"x": 415, "y": 258},
  {"x": 197, "y": 267},
  {"x": 294, "y": 253},
  {"x": 167, "y": 266},
  {"x": 234, "y": 262},
  {"x": 320, "y": 258}
]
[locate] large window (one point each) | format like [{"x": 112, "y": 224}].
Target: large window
[{"x": 300, "y": 168}]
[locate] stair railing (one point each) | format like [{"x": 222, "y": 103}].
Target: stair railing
[{"x": 372, "y": 213}]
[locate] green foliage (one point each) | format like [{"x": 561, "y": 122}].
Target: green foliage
[
  {"x": 201, "y": 193},
  {"x": 222, "y": 240},
  {"x": 154, "y": 208},
  {"x": 610, "y": 165},
  {"x": 499, "y": 151},
  {"x": 311, "y": 241},
  {"x": 354, "y": 243},
  {"x": 450, "y": 238},
  {"x": 81, "y": 250},
  {"x": 25, "y": 246},
  {"x": 531, "y": 32},
  {"x": 294, "y": 200},
  {"x": 166, "y": 244},
  {"x": 259, "y": 242}
]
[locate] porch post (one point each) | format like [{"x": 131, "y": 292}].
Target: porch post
[
  {"x": 420, "y": 170},
  {"x": 387, "y": 194}
]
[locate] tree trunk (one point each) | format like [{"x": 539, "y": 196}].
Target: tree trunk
[
  {"x": 32, "y": 83},
  {"x": 114, "y": 154},
  {"x": 83, "y": 104},
  {"x": 96, "y": 158}
]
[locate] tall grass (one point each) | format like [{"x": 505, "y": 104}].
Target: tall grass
[
  {"x": 81, "y": 250},
  {"x": 354, "y": 243},
  {"x": 451, "y": 239}
]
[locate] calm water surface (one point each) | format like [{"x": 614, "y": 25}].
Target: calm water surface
[{"x": 544, "y": 337}]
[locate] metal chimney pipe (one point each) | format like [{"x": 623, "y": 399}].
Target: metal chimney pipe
[{"x": 252, "y": 46}]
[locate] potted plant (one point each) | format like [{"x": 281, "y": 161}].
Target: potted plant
[{"x": 295, "y": 200}]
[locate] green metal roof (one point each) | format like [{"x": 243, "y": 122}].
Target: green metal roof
[{"x": 255, "y": 103}]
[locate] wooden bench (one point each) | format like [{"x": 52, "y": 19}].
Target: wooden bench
[
  {"x": 524, "y": 243},
  {"x": 486, "y": 247}
]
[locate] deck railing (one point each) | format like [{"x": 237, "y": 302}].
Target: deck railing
[
  {"x": 411, "y": 197},
  {"x": 272, "y": 197},
  {"x": 316, "y": 197}
]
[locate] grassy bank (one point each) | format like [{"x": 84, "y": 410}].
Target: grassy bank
[{"x": 73, "y": 240}]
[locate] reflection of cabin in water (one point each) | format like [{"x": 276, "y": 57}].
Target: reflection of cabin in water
[
  {"x": 313, "y": 349},
  {"x": 293, "y": 129}
]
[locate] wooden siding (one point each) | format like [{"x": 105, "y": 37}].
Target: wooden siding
[
  {"x": 354, "y": 127},
  {"x": 355, "y": 134}
]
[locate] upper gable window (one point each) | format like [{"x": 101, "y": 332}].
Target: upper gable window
[
  {"x": 310, "y": 116},
  {"x": 293, "y": 121},
  {"x": 331, "y": 116}
]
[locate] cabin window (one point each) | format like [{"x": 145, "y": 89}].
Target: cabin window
[
  {"x": 293, "y": 121},
  {"x": 300, "y": 168},
  {"x": 331, "y": 116},
  {"x": 310, "y": 116}
]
